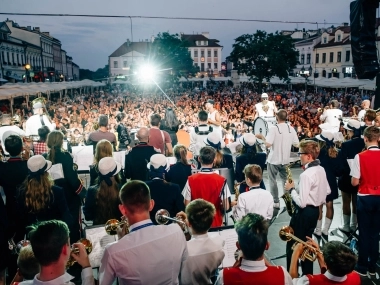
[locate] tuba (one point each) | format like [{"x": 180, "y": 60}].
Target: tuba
[
  {"x": 163, "y": 217},
  {"x": 287, "y": 197},
  {"x": 113, "y": 225},
  {"x": 88, "y": 247},
  {"x": 310, "y": 253}
]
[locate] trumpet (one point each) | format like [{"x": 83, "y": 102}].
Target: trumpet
[
  {"x": 163, "y": 217},
  {"x": 88, "y": 247},
  {"x": 112, "y": 226},
  {"x": 321, "y": 110},
  {"x": 287, "y": 197},
  {"x": 309, "y": 253}
]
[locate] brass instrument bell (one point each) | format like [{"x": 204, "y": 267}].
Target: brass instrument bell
[
  {"x": 112, "y": 226},
  {"x": 88, "y": 247},
  {"x": 286, "y": 196},
  {"x": 163, "y": 217}
]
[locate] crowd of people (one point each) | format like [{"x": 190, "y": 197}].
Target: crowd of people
[{"x": 203, "y": 131}]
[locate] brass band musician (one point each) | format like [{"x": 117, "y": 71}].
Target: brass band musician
[{"x": 38, "y": 120}]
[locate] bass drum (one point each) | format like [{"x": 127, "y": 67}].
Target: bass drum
[{"x": 260, "y": 126}]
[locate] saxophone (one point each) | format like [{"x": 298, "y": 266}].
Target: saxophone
[
  {"x": 287, "y": 197},
  {"x": 236, "y": 188}
]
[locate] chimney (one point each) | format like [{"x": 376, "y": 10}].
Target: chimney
[
  {"x": 345, "y": 24},
  {"x": 206, "y": 34},
  {"x": 152, "y": 39},
  {"x": 29, "y": 28},
  {"x": 37, "y": 29}
]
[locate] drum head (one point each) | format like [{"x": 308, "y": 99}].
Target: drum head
[{"x": 260, "y": 126}]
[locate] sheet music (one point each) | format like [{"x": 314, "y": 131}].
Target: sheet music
[
  {"x": 230, "y": 237},
  {"x": 83, "y": 156},
  {"x": 171, "y": 160},
  {"x": 99, "y": 239},
  {"x": 119, "y": 156},
  {"x": 56, "y": 171}
]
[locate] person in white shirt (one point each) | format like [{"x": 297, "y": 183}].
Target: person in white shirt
[
  {"x": 205, "y": 251},
  {"x": 313, "y": 188},
  {"x": 38, "y": 120},
  {"x": 149, "y": 254},
  {"x": 337, "y": 263},
  {"x": 214, "y": 119},
  {"x": 365, "y": 105},
  {"x": 280, "y": 140},
  {"x": 256, "y": 200},
  {"x": 6, "y": 130},
  {"x": 199, "y": 133},
  {"x": 51, "y": 247},
  {"x": 265, "y": 108},
  {"x": 332, "y": 116},
  {"x": 252, "y": 268}
]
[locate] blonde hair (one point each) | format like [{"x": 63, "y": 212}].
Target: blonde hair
[
  {"x": 54, "y": 142},
  {"x": 38, "y": 192},
  {"x": 310, "y": 147},
  {"x": 27, "y": 263},
  {"x": 332, "y": 151},
  {"x": 218, "y": 158},
  {"x": 103, "y": 149}
]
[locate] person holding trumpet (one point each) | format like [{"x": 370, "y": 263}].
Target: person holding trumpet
[
  {"x": 337, "y": 262},
  {"x": 51, "y": 247},
  {"x": 313, "y": 188}
]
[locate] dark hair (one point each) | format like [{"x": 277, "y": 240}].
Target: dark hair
[
  {"x": 200, "y": 214},
  {"x": 180, "y": 153},
  {"x": 372, "y": 133},
  {"x": 155, "y": 120},
  {"x": 13, "y": 145},
  {"x": 107, "y": 200},
  {"x": 43, "y": 133},
  {"x": 103, "y": 121},
  {"x": 251, "y": 151},
  {"x": 28, "y": 263},
  {"x": 170, "y": 120},
  {"x": 202, "y": 116},
  {"x": 252, "y": 233},
  {"x": 282, "y": 115},
  {"x": 370, "y": 115},
  {"x": 47, "y": 239},
  {"x": 120, "y": 117},
  {"x": 135, "y": 195},
  {"x": 339, "y": 258},
  {"x": 253, "y": 172},
  {"x": 207, "y": 155}
]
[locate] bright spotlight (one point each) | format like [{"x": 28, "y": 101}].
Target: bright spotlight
[{"x": 146, "y": 72}]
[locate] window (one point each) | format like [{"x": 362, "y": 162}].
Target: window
[
  {"x": 209, "y": 65},
  {"x": 124, "y": 63},
  {"x": 202, "y": 43},
  {"x": 324, "y": 57},
  {"x": 302, "y": 59},
  {"x": 115, "y": 64},
  {"x": 215, "y": 66},
  {"x": 18, "y": 59},
  {"x": 317, "y": 58},
  {"x": 308, "y": 56},
  {"x": 324, "y": 40},
  {"x": 8, "y": 58},
  {"x": 13, "y": 58},
  {"x": 202, "y": 53},
  {"x": 195, "y": 53},
  {"x": 339, "y": 37},
  {"x": 215, "y": 53},
  {"x": 209, "y": 53},
  {"x": 22, "y": 60},
  {"x": 3, "y": 56},
  {"x": 202, "y": 66},
  {"x": 331, "y": 57},
  {"x": 339, "y": 56},
  {"x": 348, "y": 53}
]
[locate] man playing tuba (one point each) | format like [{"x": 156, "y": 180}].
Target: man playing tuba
[{"x": 38, "y": 120}]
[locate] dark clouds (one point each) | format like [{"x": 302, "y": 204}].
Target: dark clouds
[{"x": 91, "y": 40}]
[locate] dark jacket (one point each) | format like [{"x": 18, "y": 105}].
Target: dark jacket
[
  {"x": 136, "y": 162},
  {"x": 123, "y": 136},
  {"x": 166, "y": 196},
  {"x": 349, "y": 149},
  {"x": 227, "y": 161},
  {"x": 90, "y": 206},
  {"x": 171, "y": 131},
  {"x": 178, "y": 174},
  {"x": 244, "y": 159}
]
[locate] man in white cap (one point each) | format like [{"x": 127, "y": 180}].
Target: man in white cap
[
  {"x": 332, "y": 116},
  {"x": 265, "y": 108},
  {"x": 6, "y": 130},
  {"x": 38, "y": 120}
]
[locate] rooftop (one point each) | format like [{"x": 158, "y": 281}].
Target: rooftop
[{"x": 141, "y": 47}]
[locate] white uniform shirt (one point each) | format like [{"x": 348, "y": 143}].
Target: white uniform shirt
[
  {"x": 34, "y": 123},
  {"x": 14, "y": 129},
  {"x": 305, "y": 281},
  {"x": 258, "y": 201},
  {"x": 205, "y": 256},
  {"x": 313, "y": 187},
  {"x": 255, "y": 266},
  {"x": 281, "y": 137},
  {"x": 87, "y": 279},
  {"x": 149, "y": 255},
  {"x": 271, "y": 109},
  {"x": 332, "y": 117},
  {"x": 361, "y": 115},
  {"x": 196, "y": 140},
  {"x": 217, "y": 129}
]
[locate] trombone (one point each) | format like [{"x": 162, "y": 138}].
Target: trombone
[
  {"x": 309, "y": 252},
  {"x": 113, "y": 225},
  {"x": 88, "y": 247},
  {"x": 163, "y": 217}
]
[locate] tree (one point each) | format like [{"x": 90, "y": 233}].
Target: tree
[
  {"x": 171, "y": 52},
  {"x": 263, "y": 55},
  {"x": 99, "y": 74}
]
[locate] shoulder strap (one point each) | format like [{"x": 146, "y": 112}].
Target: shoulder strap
[{"x": 42, "y": 120}]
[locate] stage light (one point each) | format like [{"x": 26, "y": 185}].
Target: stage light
[{"x": 147, "y": 73}]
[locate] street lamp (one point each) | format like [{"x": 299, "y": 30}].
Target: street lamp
[{"x": 27, "y": 72}]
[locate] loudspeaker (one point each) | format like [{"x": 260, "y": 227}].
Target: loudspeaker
[
  {"x": 363, "y": 38},
  {"x": 377, "y": 94}
]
